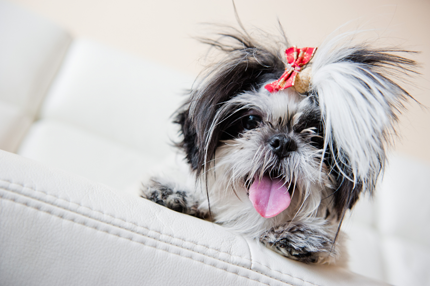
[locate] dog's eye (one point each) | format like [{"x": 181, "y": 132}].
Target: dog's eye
[{"x": 251, "y": 121}]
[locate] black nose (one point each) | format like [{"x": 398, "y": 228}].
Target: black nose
[{"x": 282, "y": 145}]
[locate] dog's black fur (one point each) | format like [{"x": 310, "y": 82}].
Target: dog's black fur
[{"x": 245, "y": 68}]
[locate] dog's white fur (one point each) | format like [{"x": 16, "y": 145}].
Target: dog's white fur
[{"x": 353, "y": 99}]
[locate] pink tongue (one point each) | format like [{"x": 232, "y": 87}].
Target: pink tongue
[{"x": 269, "y": 196}]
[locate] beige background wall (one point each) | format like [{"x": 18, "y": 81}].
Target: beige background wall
[{"x": 162, "y": 30}]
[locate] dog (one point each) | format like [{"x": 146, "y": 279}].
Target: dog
[{"x": 280, "y": 141}]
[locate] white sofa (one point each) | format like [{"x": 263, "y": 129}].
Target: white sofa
[{"x": 87, "y": 122}]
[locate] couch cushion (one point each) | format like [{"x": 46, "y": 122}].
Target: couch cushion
[
  {"x": 78, "y": 151},
  {"x": 117, "y": 96},
  {"x": 364, "y": 250},
  {"x": 14, "y": 123},
  {"x": 107, "y": 116},
  {"x": 403, "y": 196},
  {"x": 389, "y": 234},
  {"x": 31, "y": 52},
  {"x": 405, "y": 262}
]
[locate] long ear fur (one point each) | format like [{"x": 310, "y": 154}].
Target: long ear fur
[
  {"x": 245, "y": 66},
  {"x": 359, "y": 105}
]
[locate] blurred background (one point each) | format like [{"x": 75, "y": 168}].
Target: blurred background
[{"x": 164, "y": 30}]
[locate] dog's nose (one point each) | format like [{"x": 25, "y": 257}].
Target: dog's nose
[{"x": 282, "y": 145}]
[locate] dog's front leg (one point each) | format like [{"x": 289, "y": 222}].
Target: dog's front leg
[
  {"x": 173, "y": 197},
  {"x": 310, "y": 242}
]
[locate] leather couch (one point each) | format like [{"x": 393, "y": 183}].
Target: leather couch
[{"x": 81, "y": 123}]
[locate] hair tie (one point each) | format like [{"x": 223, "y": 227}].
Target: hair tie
[{"x": 296, "y": 74}]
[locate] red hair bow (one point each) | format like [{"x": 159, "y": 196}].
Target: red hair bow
[{"x": 297, "y": 59}]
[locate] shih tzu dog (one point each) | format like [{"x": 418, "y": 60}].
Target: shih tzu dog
[{"x": 280, "y": 145}]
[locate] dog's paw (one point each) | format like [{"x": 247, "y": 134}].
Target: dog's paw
[
  {"x": 174, "y": 199},
  {"x": 301, "y": 242}
]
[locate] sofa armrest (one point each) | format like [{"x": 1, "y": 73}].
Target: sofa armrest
[
  {"x": 57, "y": 228},
  {"x": 31, "y": 53}
]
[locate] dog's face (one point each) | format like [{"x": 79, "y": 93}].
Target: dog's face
[
  {"x": 292, "y": 154},
  {"x": 271, "y": 147}
]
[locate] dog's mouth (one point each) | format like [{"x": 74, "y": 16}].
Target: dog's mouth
[{"x": 269, "y": 195}]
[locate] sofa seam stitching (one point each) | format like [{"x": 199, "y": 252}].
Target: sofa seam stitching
[
  {"x": 150, "y": 230},
  {"x": 142, "y": 243}
]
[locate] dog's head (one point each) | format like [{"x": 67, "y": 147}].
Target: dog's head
[{"x": 326, "y": 143}]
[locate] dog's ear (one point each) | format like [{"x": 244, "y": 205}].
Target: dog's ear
[
  {"x": 189, "y": 141},
  {"x": 245, "y": 66},
  {"x": 359, "y": 103}
]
